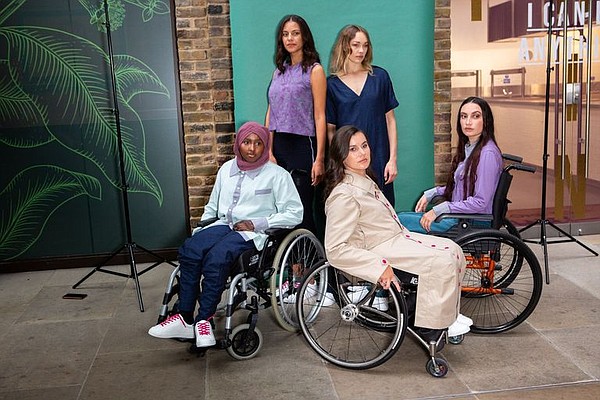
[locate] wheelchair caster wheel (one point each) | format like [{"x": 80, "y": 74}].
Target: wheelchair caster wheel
[
  {"x": 437, "y": 367},
  {"x": 456, "y": 339},
  {"x": 245, "y": 344}
]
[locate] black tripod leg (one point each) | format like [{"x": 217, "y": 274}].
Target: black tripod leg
[
  {"x": 573, "y": 239},
  {"x": 98, "y": 268},
  {"x": 159, "y": 258},
  {"x": 135, "y": 275},
  {"x": 544, "y": 244}
]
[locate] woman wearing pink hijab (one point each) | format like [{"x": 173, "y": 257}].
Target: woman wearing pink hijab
[{"x": 250, "y": 195}]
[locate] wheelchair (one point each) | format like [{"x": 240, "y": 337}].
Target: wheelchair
[
  {"x": 503, "y": 280},
  {"x": 361, "y": 332},
  {"x": 257, "y": 280},
  {"x": 500, "y": 289}
]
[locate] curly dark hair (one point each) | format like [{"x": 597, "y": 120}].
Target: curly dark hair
[
  {"x": 338, "y": 152},
  {"x": 473, "y": 161},
  {"x": 310, "y": 55}
]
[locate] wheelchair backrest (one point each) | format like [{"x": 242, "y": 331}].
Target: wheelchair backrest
[{"x": 500, "y": 201}]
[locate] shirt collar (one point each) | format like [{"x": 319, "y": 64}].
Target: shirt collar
[
  {"x": 362, "y": 182},
  {"x": 469, "y": 148},
  {"x": 253, "y": 173}
]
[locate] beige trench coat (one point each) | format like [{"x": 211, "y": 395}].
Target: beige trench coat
[{"x": 363, "y": 236}]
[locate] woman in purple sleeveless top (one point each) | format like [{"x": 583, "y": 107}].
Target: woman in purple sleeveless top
[{"x": 296, "y": 112}]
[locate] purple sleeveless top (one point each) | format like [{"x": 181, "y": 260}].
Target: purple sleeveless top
[{"x": 291, "y": 101}]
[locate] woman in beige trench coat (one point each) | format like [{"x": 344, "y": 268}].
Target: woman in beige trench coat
[{"x": 364, "y": 237}]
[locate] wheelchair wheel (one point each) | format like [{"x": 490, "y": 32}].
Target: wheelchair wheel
[
  {"x": 245, "y": 345},
  {"x": 437, "y": 367},
  {"x": 354, "y": 335},
  {"x": 299, "y": 251},
  {"x": 502, "y": 283},
  {"x": 510, "y": 228}
]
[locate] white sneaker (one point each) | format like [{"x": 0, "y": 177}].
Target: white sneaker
[
  {"x": 204, "y": 334},
  {"x": 328, "y": 300},
  {"x": 285, "y": 286},
  {"x": 464, "y": 320},
  {"x": 381, "y": 303},
  {"x": 457, "y": 329},
  {"x": 173, "y": 327},
  {"x": 356, "y": 295},
  {"x": 358, "y": 288},
  {"x": 311, "y": 291}
]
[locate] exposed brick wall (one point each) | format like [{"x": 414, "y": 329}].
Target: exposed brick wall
[
  {"x": 441, "y": 97},
  {"x": 204, "y": 45}
]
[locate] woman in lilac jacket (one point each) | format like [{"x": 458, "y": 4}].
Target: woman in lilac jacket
[{"x": 476, "y": 169}]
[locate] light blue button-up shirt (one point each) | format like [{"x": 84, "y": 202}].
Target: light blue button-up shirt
[{"x": 266, "y": 196}]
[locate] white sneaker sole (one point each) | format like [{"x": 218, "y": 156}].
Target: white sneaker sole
[{"x": 457, "y": 329}]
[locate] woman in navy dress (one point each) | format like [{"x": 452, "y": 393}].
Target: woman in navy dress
[{"x": 362, "y": 95}]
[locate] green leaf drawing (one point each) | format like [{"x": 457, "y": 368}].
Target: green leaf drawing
[
  {"x": 8, "y": 9},
  {"x": 134, "y": 77},
  {"x": 31, "y": 198},
  {"x": 150, "y": 7},
  {"x": 22, "y": 112},
  {"x": 68, "y": 74}
]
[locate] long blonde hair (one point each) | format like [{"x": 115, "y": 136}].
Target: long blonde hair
[{"x": 341, "y": 50}]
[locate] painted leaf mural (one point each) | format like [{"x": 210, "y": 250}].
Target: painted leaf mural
[
  {"x": 31, "y": 198},
  {"x": 19, "y": 108},
  {"x": 63, "y": 68},
  {"x": 55, "y": 91}
]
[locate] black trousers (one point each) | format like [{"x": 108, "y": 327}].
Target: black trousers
[{"x": 296, "y": 153}]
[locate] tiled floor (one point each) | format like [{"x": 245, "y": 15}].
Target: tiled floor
[{"x": 97, "y": 348}]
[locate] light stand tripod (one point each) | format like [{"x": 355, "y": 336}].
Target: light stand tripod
[
  {"x": 129, "y": 246},
  {"x": 543, "y": 222}
]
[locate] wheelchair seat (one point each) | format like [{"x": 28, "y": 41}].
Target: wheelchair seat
[{"x": 250, "y": 261}]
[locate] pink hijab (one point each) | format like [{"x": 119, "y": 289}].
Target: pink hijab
[{"x": 246, "y": 130}]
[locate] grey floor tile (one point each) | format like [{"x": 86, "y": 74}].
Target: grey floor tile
[
  {"x": 49, "y": 305},
  {"x": 515, "y": 359},
  {"x": 284, "y": 368},
  {"x": 155, "y": 374},
  {"x": 583, "y": 391},
  {"x": 52, "y": 393},
  {"x": 48, "y": 354},
  {"x": 402, "y": 377},
  {"x": 580, "y": 346},
  {"x": 19, "y": 288},
  {"x": 564, "y": 305}
]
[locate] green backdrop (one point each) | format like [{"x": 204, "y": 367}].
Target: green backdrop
[{"x": 402, "y": 37}]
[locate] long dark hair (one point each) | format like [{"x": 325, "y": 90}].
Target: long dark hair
[
  {"x": 338, "y": 152},
  {"x": 473, "y": 161},
  {"x": 310, "y": 55}
]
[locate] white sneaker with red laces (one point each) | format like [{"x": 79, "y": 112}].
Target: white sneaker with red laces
[
  {"x": 173, "y": 327},
  {"x": 204, "y": 334}
]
